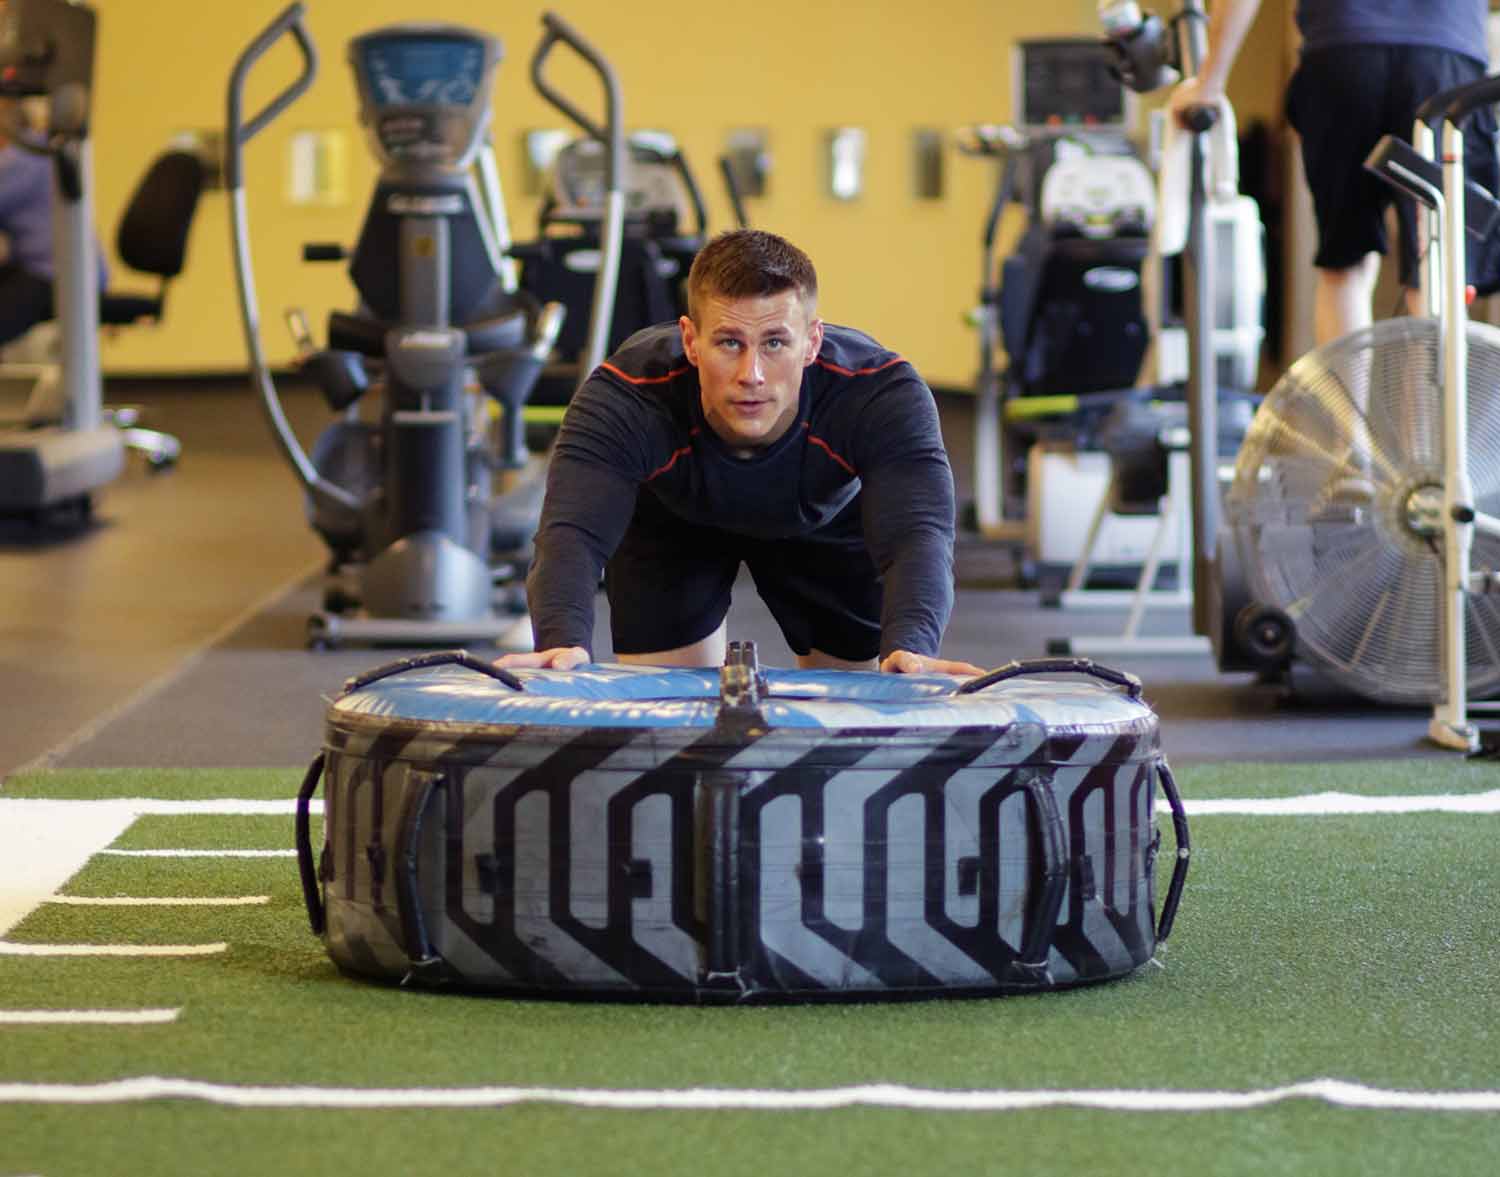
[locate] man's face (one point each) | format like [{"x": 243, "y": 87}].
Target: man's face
[{"x": 750, "y": 353}]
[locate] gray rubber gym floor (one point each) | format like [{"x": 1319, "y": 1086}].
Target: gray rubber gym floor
[{"x": 170, "y": 633}]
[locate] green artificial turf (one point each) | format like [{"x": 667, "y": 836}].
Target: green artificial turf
[
  {"x": 168, "y": 1139},
  {"x": 1375, "y": 777},
  {"x": 211, "y": 832},
  {"x": 168, "y": 784},
  {"x": 1363, "y": 948}
]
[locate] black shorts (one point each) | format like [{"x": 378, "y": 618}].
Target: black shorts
[
  {"x": 25, "y": 301},
  {"x": 1341, "y": 101},
  {"x": 669, "y": 584}
]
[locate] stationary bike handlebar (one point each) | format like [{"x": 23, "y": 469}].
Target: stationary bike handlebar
[
  {"x": 241, "y": 132},
  {"x": 1201, "y": 117},
  {"x": 999, "y": 140},
  {"x": 1002, "y": 142},
  {"x": 1455, "y": 103}
]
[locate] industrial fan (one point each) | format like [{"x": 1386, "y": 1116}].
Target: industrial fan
[{"x": 1336, "y": 509}]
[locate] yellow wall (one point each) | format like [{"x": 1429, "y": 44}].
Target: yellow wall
[{"x": 904, "y": 269}]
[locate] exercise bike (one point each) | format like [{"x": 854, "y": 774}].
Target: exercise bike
[
  {"x": 1361, "y": 531},
  {"x": 404, "y": 498},
  {"x": 1390, "y": 589}
]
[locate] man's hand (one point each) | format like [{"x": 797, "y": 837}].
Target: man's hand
[
  {"x": 1190, "y": 93},
  {"x": 557, "y": 658},
  {"x": 905, "y": 662},
  {"x": 1228, "y": 24}
]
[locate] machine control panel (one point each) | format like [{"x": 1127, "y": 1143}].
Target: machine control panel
[{"x": 425, "y": 91}]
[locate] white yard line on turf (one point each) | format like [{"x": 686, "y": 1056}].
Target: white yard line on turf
[
  {"x": 217, "y": 807},
  {"x": 1342, "y": 804},
  {"x": 170, "y": 853},
  {"x": 1336, "y": 1092},
  {"x": 44, "y": 843},
  {"x": 1327, "y": 804},
  {"x": 7, "y": 948},
  {"x": 158, "y": 901},
  {"x": 87, "y": 1017}
]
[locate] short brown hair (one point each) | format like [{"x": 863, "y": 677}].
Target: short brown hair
[{"x": 749, "y": 263}]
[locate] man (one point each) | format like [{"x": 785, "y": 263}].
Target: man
[
  {"x": 1366, "y": 66},
  {"x": 749, "y": 431}
]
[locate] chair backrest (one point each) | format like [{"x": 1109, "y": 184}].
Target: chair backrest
[{"x": 153, "y": 233}]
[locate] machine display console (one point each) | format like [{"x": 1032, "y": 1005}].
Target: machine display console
[
  {"x": 424, "y": 91},
  {"x": 44, "y": 46},
  {"x": 1068, "y": 83},
  {"x": 423, "y": 71},
  {"x": 654, "y": 188}
]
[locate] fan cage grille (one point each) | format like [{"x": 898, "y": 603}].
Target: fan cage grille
[{"x": 1332, "y": 508}]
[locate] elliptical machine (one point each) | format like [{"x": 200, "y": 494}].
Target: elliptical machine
[
  {"x": 665, "y": 226},
  {"x": 47, "y": 48},
  {"x": 1067, "y": 302},
  {"x": 1150, "y": 54},
  {"x": 405, "y": 501}
]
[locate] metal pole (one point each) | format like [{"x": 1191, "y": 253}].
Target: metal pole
[
  {"x": 1202, "y": 382},
  {"x": 1450, "y": 717},
  {"x": 76, "y": 278},
  {"x": 1428, "y": 229}
]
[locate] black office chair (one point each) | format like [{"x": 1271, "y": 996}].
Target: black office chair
[{"x": 152, "y": 239}]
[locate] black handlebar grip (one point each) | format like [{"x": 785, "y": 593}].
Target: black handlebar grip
[
  {"x": 1454, "y": 103},
  {"x": 1200, "y": 118}
]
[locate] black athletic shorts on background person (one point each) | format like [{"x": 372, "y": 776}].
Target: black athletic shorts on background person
[
  {"x": 25, "y": 301},
  {"x": 669, "y": 584},
  {"x": 1341, "y": 100}
]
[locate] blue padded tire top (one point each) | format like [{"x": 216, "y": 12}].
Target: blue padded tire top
[{"x": 613, "y": 695}]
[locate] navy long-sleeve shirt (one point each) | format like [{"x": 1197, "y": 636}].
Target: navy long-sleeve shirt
[{"x": 866, "y": 429}]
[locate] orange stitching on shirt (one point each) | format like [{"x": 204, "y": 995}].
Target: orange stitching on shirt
[
  {"x": 818, "y": 441},
  {"x": 842, "y": 371},
  {"x": 672, "y": 375},
  {"x": 672, "y": 461}
]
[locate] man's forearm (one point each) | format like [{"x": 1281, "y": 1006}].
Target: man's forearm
[
  {"x": 918, "y": 595},
  {"x": 1229, "y": 22},
  {"x": 560, "y": 590},
  {"x": 585, "y": 512},
  {"x": 907, "y": 510}
]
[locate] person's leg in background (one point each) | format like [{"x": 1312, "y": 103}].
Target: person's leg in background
[
  {"x": 25, "y": 301},
  {"x": 1342, "y": 298}
]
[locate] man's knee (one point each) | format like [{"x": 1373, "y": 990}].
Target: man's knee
[
  {"x": 707, "y": 651},
  {"x": 1353, "y": 277},
  {"x": 817, "y": 660}
]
